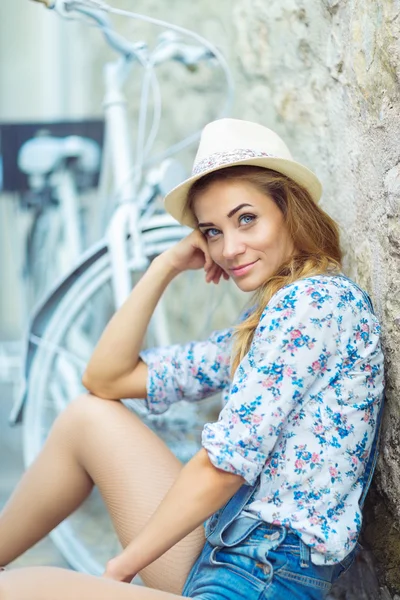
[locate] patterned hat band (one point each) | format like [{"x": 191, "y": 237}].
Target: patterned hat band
[
  {"x": 219, "y": 159},
  {"x": 233, "y": 142}
]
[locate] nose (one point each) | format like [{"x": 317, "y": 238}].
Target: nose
[{"x": 233, "y": 246}]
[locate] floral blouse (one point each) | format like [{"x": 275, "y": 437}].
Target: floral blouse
[{"x": 300, "y": 413}]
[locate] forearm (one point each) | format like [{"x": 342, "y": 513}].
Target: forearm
[
  {"x": 117, "y": 352},
  {"x": 199, "y": 491}
]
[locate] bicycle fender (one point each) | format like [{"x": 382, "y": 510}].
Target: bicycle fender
[{"x": 40, "y": 316}]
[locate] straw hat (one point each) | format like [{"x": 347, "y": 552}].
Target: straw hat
[{"x": 233, "y": 142}]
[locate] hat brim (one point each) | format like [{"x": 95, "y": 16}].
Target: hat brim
[{"x": 175, "y": 200}]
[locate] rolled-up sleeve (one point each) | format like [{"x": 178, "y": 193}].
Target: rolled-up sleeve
[
  {"x": 294, "y": 345},
  {"x": 192, "y": 371}
]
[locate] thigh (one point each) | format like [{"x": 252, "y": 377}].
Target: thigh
[
  {"x": 133, "y": 469},
  {"x": 50, "y": 583}
]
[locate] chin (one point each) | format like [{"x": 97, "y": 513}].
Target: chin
[
  {"x": 247, "y": 286},
  {"x": 252, "y": 284}
]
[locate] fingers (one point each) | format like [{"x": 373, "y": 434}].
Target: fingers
[
  {"x": 208, "y": 262},
  {"x": 214, "y": 274},
  {"x": 212, "y": 270}
]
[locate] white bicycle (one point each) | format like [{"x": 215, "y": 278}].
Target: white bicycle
[{"x": 69, "y": 321}]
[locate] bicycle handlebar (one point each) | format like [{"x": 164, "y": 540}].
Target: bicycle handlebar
[
  {"x": 116, "y": 41},
  {"x": 172, "y": 49}
]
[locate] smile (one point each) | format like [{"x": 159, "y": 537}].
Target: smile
[{"x": 243, "y": 269}]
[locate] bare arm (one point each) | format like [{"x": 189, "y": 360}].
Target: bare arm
[
  {"x": 199, "y": 491},
  {"x": 114, "y": 370}
]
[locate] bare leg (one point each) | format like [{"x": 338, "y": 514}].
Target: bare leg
[
  {"x": 101, "y": 441},
  {"x": 50, "y": 490},
  {"x": 49, "y": 583}
]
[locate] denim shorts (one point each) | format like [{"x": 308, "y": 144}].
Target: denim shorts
[{"x": 245, "y": 558}]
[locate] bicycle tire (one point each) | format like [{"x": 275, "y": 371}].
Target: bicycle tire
[{"x": 55, "y": 377}]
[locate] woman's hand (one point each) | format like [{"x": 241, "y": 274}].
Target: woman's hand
[
  {"x": 117, "y": 571},
  {"x": 192, "y": 253}
]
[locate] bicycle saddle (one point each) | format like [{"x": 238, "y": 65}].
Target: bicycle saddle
[{"x": 45, "y": 154}]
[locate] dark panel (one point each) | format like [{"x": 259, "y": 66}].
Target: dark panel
[{"x": 14, "y": 135}]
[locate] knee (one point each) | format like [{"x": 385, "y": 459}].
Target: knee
[{"x": 82, "y": 411}]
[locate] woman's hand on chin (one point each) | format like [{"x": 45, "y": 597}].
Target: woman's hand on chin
[{"x": 192, "y": 253}]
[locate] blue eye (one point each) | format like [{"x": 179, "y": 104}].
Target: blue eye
[
  {"x": 211, "y": 233},
  {"x": 246, "y": 219}
]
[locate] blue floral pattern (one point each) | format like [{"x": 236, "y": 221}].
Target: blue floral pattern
[{"x": 300, "y": 414}]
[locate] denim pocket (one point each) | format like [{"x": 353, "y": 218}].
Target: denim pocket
[
  {"x": 234, "y": 560},
  {"x": 312, "y": 577},
  {"x": 255, "y": 557},
  {"x": 221, "y": 573}
]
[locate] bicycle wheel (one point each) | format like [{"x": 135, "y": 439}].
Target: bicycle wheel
[
  {"x": 86, "y": 539},
  {"x": 43, "y": 261}
]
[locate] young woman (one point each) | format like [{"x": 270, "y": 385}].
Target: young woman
[{"x": 282, "y": 474}]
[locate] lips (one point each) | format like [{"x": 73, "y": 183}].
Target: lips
[{"x": 242, "y": 269}]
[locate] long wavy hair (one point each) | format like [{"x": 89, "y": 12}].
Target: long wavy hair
[{"x": 314, "y": 233}]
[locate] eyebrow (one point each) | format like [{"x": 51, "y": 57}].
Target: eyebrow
[{"x": 229, "y": 215}]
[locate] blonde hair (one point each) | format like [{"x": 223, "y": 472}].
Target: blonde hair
[{"x": 314, "y": 233}]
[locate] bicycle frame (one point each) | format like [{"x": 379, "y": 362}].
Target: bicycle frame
[
  {"x": 126, "y": 217},
  {"x": 124, "y": 221}
]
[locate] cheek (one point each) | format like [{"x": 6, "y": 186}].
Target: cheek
[
  {"x": 215, "y": 256},
  {"x": 263, "y": 240},
  {"x": 215, "y": 250},
  {"x": 270, "y": 238}
]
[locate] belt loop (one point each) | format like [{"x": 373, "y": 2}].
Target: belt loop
[
  {"x": 228, "y": 514},
  {"x": 304, "y": 555}
]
